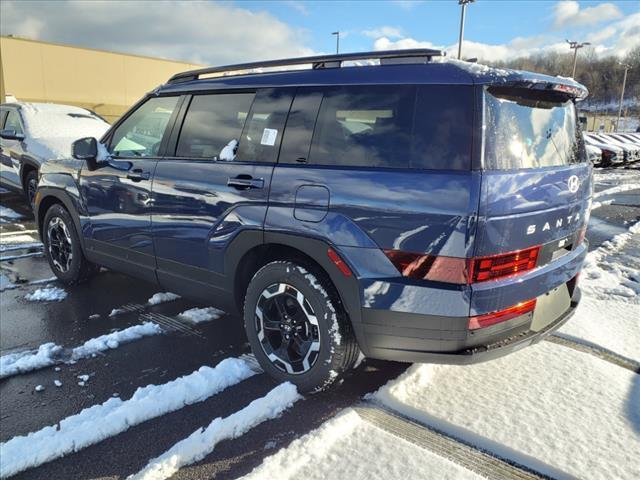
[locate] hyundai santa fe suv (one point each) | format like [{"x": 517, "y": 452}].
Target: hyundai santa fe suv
[{"x": 412, "y": 209}]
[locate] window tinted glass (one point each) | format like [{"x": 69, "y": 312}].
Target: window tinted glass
[
  {"x": 263, "y": 131},
  {"x": 141, "y": 133},
  {"x": 13, "y": 122},
  {"x": 443, "y": 127},
  {"x": 212, "y": 123},
  {"x": 527, "y": 132},
  {"x": 302, "y": 119},
  {"x": 364, "y": 126}
]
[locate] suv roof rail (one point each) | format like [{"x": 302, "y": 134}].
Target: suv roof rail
[{"x": 414, "y": 55}]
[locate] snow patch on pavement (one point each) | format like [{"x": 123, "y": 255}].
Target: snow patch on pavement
[
  {"x": 114, "y": 339},
  {"x": 19, "y": 246},
  {"x": 625, "y": 187},
  {"x": 22, "y": 362},
  {"x": 6, "y": 283},
  {"x": 162, "y": 298},
  {"x": 50, "y": 353},
  {"x": 7, "y": 213},
  {"x": 606, "y": 277},
  {"x": 115, "y": 416},
  {"x": 198, "y": 315},
  {"x": 347, "y": 444},
  {"x": 49, "y": 294},
  {"x": 202, "y": 442},
  {"x": 547, "y": 407}
]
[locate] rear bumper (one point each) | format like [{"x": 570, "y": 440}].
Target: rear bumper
[{"x": 501, "y": 339}]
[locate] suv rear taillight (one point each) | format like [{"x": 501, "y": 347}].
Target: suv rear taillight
[
  {"x": 504, "y": 264},
  {"x": 462, "y": 270},
  {"x": 488, "y": 319},
  {"x": 429, "y": 267}
]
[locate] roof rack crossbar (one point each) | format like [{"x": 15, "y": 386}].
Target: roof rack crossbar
[{"x": 317, "y": 62}]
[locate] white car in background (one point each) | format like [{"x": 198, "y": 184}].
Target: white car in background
[
  {"x": 32, "y": 133},
  {"x": 611, "y": 155}
]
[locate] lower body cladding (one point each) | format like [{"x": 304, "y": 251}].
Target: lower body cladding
[{"x": 528, "y": 308}]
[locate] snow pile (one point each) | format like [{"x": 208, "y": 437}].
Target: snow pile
[
  {"x": 228, "y": 153},
  {"x": 116, "y": 311},
  {"x": 553, "y": 409},
  {"x": 115, "y": 416},
  {"x": 20, "y": 246},
  {"x": 50, "y": 353},
  {"x": 6, "y": 283},
  {"x": 162, "y": 298},
  {"x": 7, "y": 213},
  {"x": 197, "y": 315},
  {"x": 625, "y": 187},
  {"x": 51, "y": 128},
  {"x": 22, "y": 362},
  {"x": 114, "y": 339},
  {"x": 359, "y": 451},
  {"x": 610, "y": 273},
  {"x": 49, "y": 294},
  {"x": 202, "y": 442}
]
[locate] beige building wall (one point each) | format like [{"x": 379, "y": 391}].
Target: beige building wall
[{"x": 106, "y": 82}]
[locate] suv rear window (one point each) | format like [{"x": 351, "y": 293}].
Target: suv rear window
[
  {"x": 396, "y": 126},
  {"x": 528, "y": 130}
]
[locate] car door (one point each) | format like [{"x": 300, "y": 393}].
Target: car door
[
  {"x": 117, "y": 193},
  {"x": 11, "y": 151},
  {"x": 214, "y": 185}
]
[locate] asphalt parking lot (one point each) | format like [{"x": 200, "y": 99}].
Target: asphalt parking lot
[{"x": 180, "y": 349}]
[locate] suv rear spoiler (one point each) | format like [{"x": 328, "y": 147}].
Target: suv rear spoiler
[
  {"x": 549, "y": 86},
  {"x": 415, "y": 55}
]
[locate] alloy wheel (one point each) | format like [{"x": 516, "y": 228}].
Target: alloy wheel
[
  {"x": 287, "y": 328},
  {"x": 59, "y": 244}
]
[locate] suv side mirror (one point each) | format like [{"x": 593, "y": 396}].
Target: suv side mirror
[
  {"x": 86, "y": 149},
  {"x": 9, "y": 134}
]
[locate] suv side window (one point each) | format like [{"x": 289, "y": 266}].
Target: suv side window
[
  {"x": 262, "y": 133},
  {"x": 368, "y": 126},
  {"x": 300, "y": 124},
  {"x": 13, "y": 122},
  {"x": 141, "y": 133},
  {"x": 212, "y": 123},
  {"x": 443, "y": 127}
]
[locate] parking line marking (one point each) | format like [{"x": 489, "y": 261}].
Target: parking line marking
[
  {"x": 600, "y": 352},
  {"x": 453, "y": 449}
]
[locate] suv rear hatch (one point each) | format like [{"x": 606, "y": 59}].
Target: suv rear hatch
[{"x": 534, "y": 205}]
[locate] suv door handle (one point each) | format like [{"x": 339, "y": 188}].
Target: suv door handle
[
  {"x": 244, "y": 183},
  {"x": 136, "y": 175}
]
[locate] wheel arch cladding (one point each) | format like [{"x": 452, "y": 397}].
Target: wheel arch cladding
[
  {"x": 313, "y": 252},
  {"x": 50, "y": 197}
]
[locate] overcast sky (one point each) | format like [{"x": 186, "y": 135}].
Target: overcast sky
[{"x": 230, "y": 32}]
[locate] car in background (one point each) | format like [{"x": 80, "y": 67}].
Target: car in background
[
  {"x": 611, "y": 156},
  {"x": 594, "y": 154},
  {"x": 631, "y": 152},
  {"x": 32, "y": 133}
]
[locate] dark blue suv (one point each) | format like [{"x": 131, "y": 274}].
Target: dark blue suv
[{"x": 410, "y": 209}]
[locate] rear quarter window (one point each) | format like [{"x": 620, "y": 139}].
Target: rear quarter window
[{"x": 390, "y": 126}]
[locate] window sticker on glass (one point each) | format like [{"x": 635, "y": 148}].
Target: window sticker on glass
[{"x": 269, "y": 136}]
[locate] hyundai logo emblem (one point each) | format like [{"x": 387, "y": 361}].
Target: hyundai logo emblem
[{"x": 573, "y": 183}]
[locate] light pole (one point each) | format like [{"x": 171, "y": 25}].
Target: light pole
[
  {"x": 627, "y": 67},
  {"x": 463, "y": 3},
  {"x": 575, "y": 46},
  {"x": 337, "y": 34}
]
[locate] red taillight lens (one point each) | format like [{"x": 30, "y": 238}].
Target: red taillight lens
[
  {"x": 488, "y": 319},
  {"x": 504, "y": 265},
  {"x": 429, "y": 267}
]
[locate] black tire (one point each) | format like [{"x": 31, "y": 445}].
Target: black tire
[
  {"x": 337, "y": 351},
  {"x": 30, "y": 186},
  {"x": 75, "y": 269}
]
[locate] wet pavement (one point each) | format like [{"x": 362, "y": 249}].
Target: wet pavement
[{"x": 26, "y": 325}]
